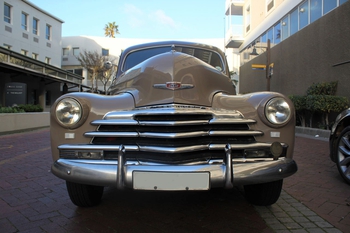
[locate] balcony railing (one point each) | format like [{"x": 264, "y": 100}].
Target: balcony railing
[
  {"x": 32, "y": 65},
  {"x": 234, "y": 35}
]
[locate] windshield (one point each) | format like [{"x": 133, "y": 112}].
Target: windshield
[{"x": 210, "y": 57}]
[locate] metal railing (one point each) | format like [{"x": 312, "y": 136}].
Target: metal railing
[{"x": 32, "y": 65}]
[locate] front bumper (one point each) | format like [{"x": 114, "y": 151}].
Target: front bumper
[{"x": 224, "y": 173}]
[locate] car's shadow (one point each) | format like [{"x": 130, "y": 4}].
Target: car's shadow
[{"x": 216, "y": 210}]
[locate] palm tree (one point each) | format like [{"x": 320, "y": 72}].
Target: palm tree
[{"x": 111, "y": 29}]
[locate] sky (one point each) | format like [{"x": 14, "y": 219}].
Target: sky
[{"x": 147, "y": 19}]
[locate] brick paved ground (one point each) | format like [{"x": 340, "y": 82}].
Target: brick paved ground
[
  {"x": 33, "y": 200},
  {"x": 318, "y": 185}
]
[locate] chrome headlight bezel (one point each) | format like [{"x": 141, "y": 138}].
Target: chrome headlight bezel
[
  {"x": 278, "y": 111},
  {"x": 69, "y": 112}
]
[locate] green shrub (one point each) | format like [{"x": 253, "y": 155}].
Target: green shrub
[
  {"x": 31, "y": 108},
  {"x": 323, "y": 88},
  {"x": 10, "y": 110},
  {"x": 21, "y": 108}
]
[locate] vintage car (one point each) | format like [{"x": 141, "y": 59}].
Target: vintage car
[
  {"x": 172, "y": 122},
  {"x": 339, "y": 144}
]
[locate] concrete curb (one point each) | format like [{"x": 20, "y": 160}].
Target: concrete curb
[
  {"x": 312, "y": 132},
  {"x": 16, "y": 122}
]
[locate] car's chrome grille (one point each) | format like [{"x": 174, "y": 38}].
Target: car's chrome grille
[{"x": 173, "y": 133}]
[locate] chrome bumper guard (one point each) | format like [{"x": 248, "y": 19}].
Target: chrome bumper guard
[{"x": 223, "y": 173}]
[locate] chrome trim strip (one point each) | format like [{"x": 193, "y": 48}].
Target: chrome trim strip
[
  {"x": 174, "y": 135},
  {"x": 235, "y": 133},
  {"x": 96, "y": 147},
  {"x": 231, "y": 121},
  {"x": 164, "y": 149},
  {"x": 160, "y": 149},
  {"x": 172, "y": 123},
  {"x": 111, "y": 134},
  {"x": 114, "y": 122},
  {"x": 174, "y": 109}
]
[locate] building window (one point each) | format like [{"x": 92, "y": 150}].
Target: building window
[
  {"x": 315, "y": 10},
  {"x": 24, "y": 21},
  {"x": 6, "y": 46},
  {"x": 7, "y": 13},
  {"x": 47, "y": 60},
  {"x": 35, "y": 56},
  {"x": 270, "y": 35},
  {"x": 105, "y": 52},
  {"x": 247, "y": 19},
  {"x": 48, "y": 32},
  {"x": 65, "y": 52},
  {"x": 303, "y": 15},
  {"x": 76, "y": 52},
  {"x": 35, "y": 26},
  {"x": 277, "y": 33},
  {"x": 270, "y": 4},
  {"x": 285, "y": 27},
  {"x": 263, "y": 38},
  {"x": 24, "y": 52},
  {"x": 293, "y": 22},
  {"x": 329, "y": 5},
  {"x": 342, "y": 1}
]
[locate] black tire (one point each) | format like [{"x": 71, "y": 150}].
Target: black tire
[
  {"x": 342, "y": 154},
  {"x": 264, "y": 194},
  {"x": 84, "y": 195}
]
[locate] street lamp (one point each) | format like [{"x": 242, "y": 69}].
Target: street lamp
[{"x": 269, "y": 66}]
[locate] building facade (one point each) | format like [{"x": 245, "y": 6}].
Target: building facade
[
  {"x": 31, "y": 55},
  {"x": 308, "y": 44}
]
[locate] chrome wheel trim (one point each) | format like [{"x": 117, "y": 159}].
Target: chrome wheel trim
[{"x": 343, "y": 159}]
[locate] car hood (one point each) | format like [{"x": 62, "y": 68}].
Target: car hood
[{"x": 173, "y": 77}]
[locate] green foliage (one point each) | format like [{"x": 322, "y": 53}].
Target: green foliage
[
  {"x": 323, "y": 88},
  {"x": 31, "y": 108},
  {"x": 319, "y": 98},
  {"x": 326, "y": 103},
  {"x": 21, "y": 108},
  {"x": 10, "y": 110},
  {"x": 299, "y": 102}
]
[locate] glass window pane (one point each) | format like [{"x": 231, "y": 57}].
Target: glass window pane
[
  {"x": 263, "y": 38},
  {"x": 65, "y": 51},
  {"x": 329, "y": 5},
  {"x": 315, "y": 10},
  {"x": 342, "y": 1},
  {"x": 24, "y": 21},
  {"x": 303, "y": 15},
  {"x": 285, "y": 28},
  {"x": 76, "y": 52},
  {"x": 277, "y": 33},
  {"x": 270, "y": 35},
  {"x": 7, "y": 13},
  {"x": 294, "y": 22},
  {"x": 35, "y": 26}
]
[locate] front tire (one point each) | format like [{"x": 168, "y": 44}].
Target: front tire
[
  {"x": 264, "y": 194},
  {"x": 84, "y": 195},
  {"x": 342, "y": 154}
]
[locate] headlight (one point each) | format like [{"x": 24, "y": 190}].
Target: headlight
[
  {"x": 68, "y": 112},
  {"x": 277, "y": 111}
]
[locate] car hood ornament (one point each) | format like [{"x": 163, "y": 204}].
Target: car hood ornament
[{"x": 173, "y": 86}]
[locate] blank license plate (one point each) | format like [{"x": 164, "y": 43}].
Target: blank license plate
[{"x": 171, "y": 181}]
